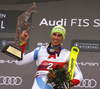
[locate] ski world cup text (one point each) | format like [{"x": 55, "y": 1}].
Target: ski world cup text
[
  {"x": 1, "y": 20},
  {"x": 72, "y": 22}
]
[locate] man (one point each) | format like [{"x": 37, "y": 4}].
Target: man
[{"x": 47, "y": 57}]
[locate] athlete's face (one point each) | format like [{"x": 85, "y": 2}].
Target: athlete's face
[{"x": 56, "y": 39}]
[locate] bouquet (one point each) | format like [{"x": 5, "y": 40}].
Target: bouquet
[{"x": 57, "y": 76}]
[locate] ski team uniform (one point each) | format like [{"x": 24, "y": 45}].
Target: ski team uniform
[{"x": 46, "y": 61}]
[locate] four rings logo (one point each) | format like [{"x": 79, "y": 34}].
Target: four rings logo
[
  {"x": 7, "y": 80},
  {"x": 87, "y": 83}
]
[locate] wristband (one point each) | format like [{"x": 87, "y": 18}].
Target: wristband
[
  {"x": 71, "y": 83},
  {"x": 21, "y": 43}
]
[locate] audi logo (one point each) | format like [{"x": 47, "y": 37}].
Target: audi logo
[
  {"x": 87, "y": 83},
  {"x": 7, "y": 80}
]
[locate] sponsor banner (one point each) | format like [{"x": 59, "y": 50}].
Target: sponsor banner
[
  {"x": 8, "y": 20},
  {"x": 6, "y": 41},
  {"x": 91, "y": 64},
  {"x": 42, "y": 44},
  {"x": 87, "y": 83},
  {"x": 72, "y": 22},
  {"x": 10, "y": 80},
  {"x": 87, "y": 45},
  {"x": 2, "y": 61}
]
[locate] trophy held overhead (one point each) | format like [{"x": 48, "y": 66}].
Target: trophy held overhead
[{"x": 13, "y": 49}]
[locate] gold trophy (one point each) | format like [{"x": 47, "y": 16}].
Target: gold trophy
[{"x": 13, "y": 49}]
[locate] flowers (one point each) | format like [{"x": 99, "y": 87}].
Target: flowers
[{"x": 57, "y": 75}]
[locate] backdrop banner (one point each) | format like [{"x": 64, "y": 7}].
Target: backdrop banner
[
  {"x": 87, "y": 45},
  {"x": 81, "y": 19},
  {"x": 8, "y": 20}
]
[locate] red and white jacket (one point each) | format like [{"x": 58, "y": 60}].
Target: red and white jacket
[{"x": 46, "y": 61}]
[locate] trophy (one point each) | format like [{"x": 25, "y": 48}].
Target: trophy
[{"x": 13, "y": 49}]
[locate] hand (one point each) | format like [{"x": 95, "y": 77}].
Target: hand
[
  {"x": 52, "y": 74},
  {"x": 24, "y": 36},
  {"x": 67, "y": 85},
  {"x": 64, "y": 85}
]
